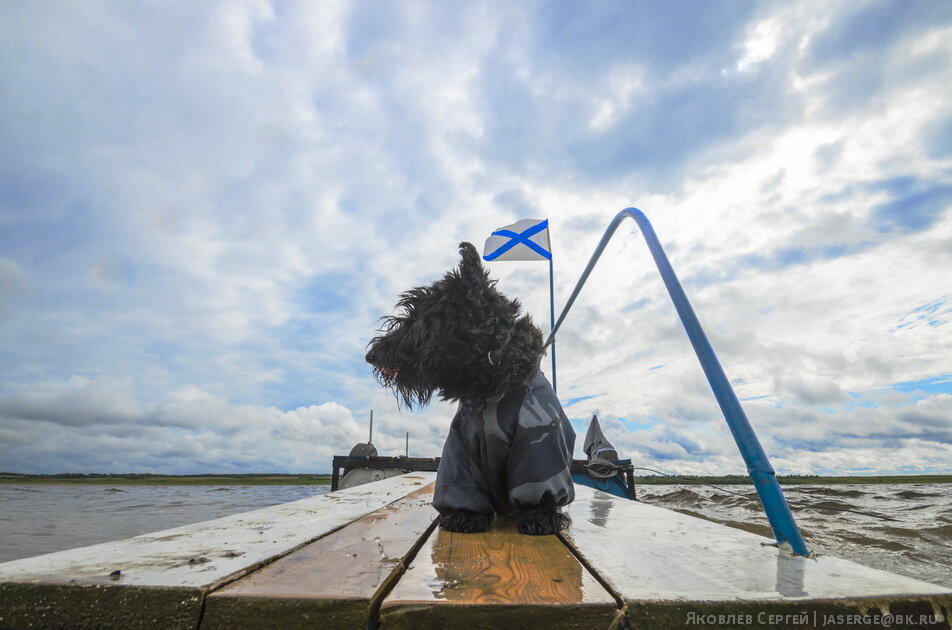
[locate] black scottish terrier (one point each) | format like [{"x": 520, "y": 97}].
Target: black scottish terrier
[{"x": 509, "y": 449}]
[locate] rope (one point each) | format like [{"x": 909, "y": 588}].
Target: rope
[{"x": 603, "y": 469}]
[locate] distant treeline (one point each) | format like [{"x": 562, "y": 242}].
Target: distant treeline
[{"x": 266, "y": 479}]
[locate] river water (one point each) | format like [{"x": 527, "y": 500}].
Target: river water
[
  {"x": 42, "y": 518},
  {"x": 918, "y": 543},
  {"x": 36, "y": 519}
]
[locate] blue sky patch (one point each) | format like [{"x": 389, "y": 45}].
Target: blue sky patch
[
  {"x": 572, "y": 401},
  {"x": 933, "y": 385},
  {"x": 913, "y": 211}
]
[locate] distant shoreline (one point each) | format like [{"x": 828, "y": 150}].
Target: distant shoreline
[
  {"x": 145, "y": 479},
  {"x": 279, "y": 479}
]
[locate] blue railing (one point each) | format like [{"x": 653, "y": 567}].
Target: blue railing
[{"x": 758, "y": 466}]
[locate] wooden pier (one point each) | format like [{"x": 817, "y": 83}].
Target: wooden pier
[{"x": 372, "y": 556}]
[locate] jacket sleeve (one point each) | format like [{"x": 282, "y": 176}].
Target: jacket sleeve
[
  {"x": 460, "y": 483},
  {"x": 540, "y": 459}
]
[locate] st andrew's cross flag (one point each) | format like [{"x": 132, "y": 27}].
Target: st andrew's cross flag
[{"x": 525, "y": 240}]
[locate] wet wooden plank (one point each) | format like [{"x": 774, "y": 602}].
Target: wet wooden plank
[
  {"x": 498, "y": 579},
  {"x": 667, "y": 566},
  {"x": 332, "y": 582},
  {"x": 164, "y": 575}
]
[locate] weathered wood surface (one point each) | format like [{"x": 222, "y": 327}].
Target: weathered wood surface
[
  {"x": 666, "y": 565},
  {"x": 498, "y": 579},
  {"x": 164, "y": 575},
  {"x": 330, "y": 561},
  {"x": 332, "y": 582}
]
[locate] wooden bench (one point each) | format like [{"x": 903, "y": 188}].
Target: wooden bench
[
  {"x": 334, "y": 582},
  {"x": 673, "y": 570},
  {"x": 497, "y": 579}
]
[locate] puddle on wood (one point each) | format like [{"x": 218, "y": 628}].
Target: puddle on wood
[{"x": 500, "y": 566}]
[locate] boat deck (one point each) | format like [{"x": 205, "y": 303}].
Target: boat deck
[{"x": 372, "y": 556}]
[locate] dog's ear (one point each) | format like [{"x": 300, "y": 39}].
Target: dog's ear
[{"x": 470, "y": 266}]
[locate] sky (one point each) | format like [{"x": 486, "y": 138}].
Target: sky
[{"x": 206, "y": 207}]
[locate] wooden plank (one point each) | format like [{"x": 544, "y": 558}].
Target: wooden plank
[
  {"x": 666, "y": 566},
  {"x": 498, "y": 579},
  {"x": 332, "y": 582},
  {"x": 165, "y": 575}
]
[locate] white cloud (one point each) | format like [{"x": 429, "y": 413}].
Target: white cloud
[
  {"x": 205, "y": 209},
  {"x": 761, "y": 44}
]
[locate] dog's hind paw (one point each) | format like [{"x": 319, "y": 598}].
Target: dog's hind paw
[
  {"x": 543, "y": 522},
  {"x": 465, "y": 522}
]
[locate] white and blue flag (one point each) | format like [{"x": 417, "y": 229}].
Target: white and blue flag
[{"x": 524, "y": 240}]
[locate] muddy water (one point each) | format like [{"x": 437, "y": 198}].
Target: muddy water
[
  {"x": 37, "y": 519},
  {"x": 918, "y": 543}
]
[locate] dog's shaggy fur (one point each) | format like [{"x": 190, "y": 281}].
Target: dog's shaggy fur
[
  {"x": 459, "y": 336},
  {"x": 462, "y": 338}
]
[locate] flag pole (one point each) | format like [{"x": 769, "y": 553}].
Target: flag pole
[
  {"x": 552, "y": 317},
  {"x": 522, "y": 237}
]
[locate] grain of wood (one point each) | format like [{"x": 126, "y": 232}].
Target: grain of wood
[
  {"x": 499, "y": 578},
  {"x": 332, "y": 582},
  {"x": 667, "y": 566}
]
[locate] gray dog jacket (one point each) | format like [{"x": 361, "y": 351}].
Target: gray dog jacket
[{"x": 508, "y": 456}]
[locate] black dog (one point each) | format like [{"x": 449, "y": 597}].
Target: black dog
[{"x": 509, "y": 449}]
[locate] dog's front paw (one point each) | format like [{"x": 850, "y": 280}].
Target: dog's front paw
[
  {"x": 543, "y": 522},
  {"x": 465, "y": 522}
]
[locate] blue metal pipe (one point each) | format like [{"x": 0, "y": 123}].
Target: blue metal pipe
[
  {"x": 772, "y": 499},
  {"x": 555, "y": 380}
]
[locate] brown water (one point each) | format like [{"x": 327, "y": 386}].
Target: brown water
[
  {"x": 37, "y": 519},
  {"x": 918, "y": 543}
]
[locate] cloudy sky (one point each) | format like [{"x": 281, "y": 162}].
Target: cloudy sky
[{"x": 205, "y": 208}]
